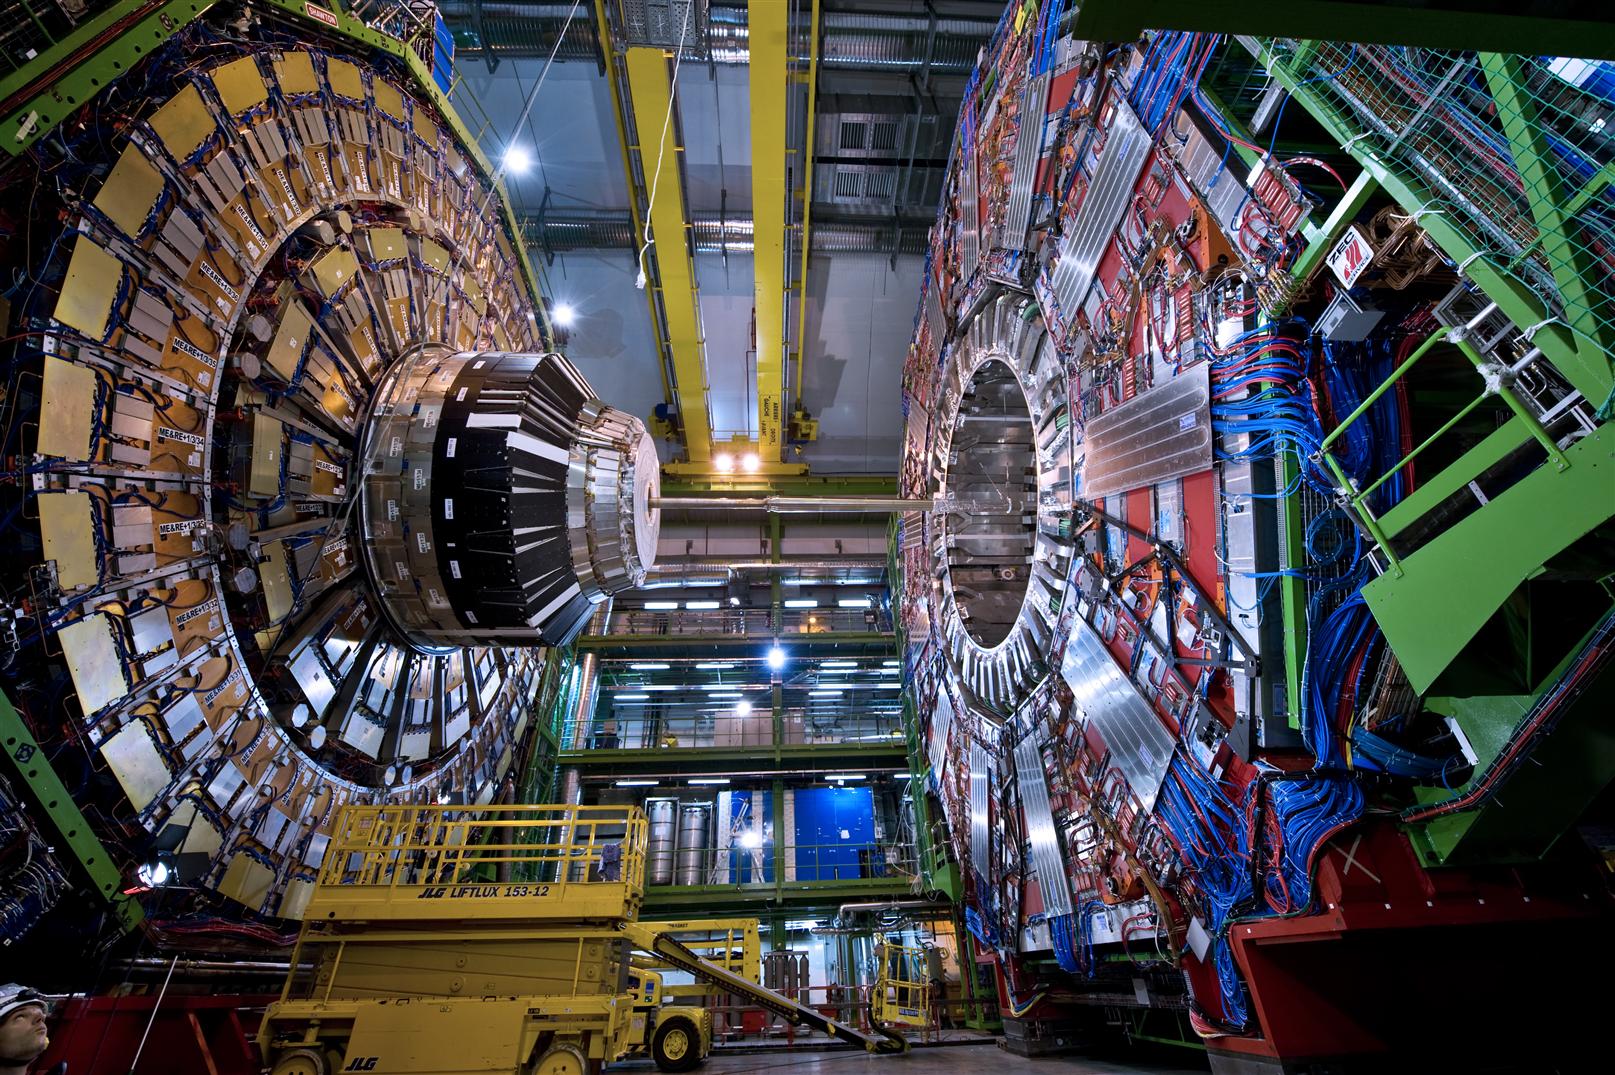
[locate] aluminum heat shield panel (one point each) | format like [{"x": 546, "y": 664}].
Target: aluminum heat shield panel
[
  {"x": 1127, "y": 145},
  {"x": 1046, "y": 857},
  {"x": 1162, "y": 434},
  {"x": 980, "y": 847},
  {"x": 1140, "y": 746},
  {"x": 1028, "y": 148}
]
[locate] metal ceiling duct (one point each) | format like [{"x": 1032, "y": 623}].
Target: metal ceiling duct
[
  {"x": 512, "y": 29},
  {"x": 557, "y": 232}
]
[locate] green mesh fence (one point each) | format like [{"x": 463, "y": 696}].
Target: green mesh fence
[{"x": 1516, "y": 152}]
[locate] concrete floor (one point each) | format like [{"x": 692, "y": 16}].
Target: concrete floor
[{"x": 960, "y": 1059}]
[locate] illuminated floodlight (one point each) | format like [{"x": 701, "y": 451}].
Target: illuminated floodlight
[
  {"x": 518, "y": 161},
  {"x": 724, "y": 462},
  {"x": 776, "y": 658},
  {"x": 750, "y": 462},
  {"x": 751, "y": 839},
  {"x": 565, "y": 314},
  {"x": 743, "y": 708}
]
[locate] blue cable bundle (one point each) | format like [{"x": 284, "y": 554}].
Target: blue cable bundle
[{"x": 1065, "y": 945}]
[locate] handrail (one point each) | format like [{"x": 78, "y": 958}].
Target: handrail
[{"x": 1496, "y": 380}]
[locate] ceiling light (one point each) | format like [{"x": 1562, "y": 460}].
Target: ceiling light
[
  {"x": 828, "y": 690},
  {"x": 661, "y": 606},
  {"x": 847, "y": 776},
  {"x": 743, "y": 708},
  {"x": 700, "y": 606},
  {"x": 630, "y": 697},
  {"x": 658, "y": 687},
  {"x": 776, "y": 658},
  {"x": 891, "y": 664},
  {"x": 839, "y": 664},
  {"x": 564, "y": 315},
  {"x": 855, "y": 602},
  {"x": 725, "y": 694},
  {"x": 714, "y": 666},
  {"x": 636, "y": 783},
  {"x": 649, "y": 666},
  {"x": 734, "y": 601},
  {"x": 517, "y": 160},
  {"x": 709, "y": 780},
  {"x": 725, "y": 463},
  {"x": 802, "y": 602},
  {"x": 749, "y": 462}
]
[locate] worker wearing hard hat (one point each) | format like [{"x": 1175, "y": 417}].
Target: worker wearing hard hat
[{"x": 22, "y": 1028}]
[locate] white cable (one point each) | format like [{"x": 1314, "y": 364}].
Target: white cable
[{"x": 661, "y": 147}]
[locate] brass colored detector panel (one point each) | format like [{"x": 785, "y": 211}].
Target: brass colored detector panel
[
  {"x": 240, "y": 85},
  {"x": 64, "y": 526},
  {"x": 291, "y": 340},
  {"x": 263, "y": 478},
  {"x": 136, "y": 762},
  {"x": 183, "y": 123},
  {"x": 92, "y": 658},
  {"x": 334, "y": 268},
  {"x": 388, "y": 99},
  {"x": 294, "y": 904},
  {"x": 90, "y": 289},
  {"x": 345, "y": 79},
  {"x": 295, "y": 70},
  {"x": 69, "y": 407},
  {"x": 435, "y": 256},
  {"x": 425, "y": 129},
  {"x": 130, "y": 191},
  {"x": 246, "y": 881},
  {"x": 386, "y": 244}
]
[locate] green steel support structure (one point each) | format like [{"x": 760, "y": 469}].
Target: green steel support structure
[{"x": 73, "y": 831}]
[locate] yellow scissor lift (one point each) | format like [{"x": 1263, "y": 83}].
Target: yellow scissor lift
[{"x": 451, "y": 940}]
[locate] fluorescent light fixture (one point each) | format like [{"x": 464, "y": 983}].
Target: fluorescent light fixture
[
  {"x": 649, "y": 666},
  {"x": 838, "y": 664},
  {"x": 709, "y": 780},
  {"x": 776, "y": 658},
  {"x": 891, "y": 664},
  {"x": 751, "y": 839},
  {"x": 749, "y": 462},
  {"x": 637, "y": 783},
  {"x": 802, "y": 602},
  {"x": 743, "y": 708},
  {"x": 848, "y": 776},
  {"x": 718, "y": 686},
  {"x": 700, "y": 606},
  {"x": 565, "y": 314},
  {"x": 658, "y": 687},
  {"x": 714, "y": 666},
  {"x": 828, "y": 690},
  {"x": 725, "y": 694},
  {"x": 855, "y": 602},
  {"x": 517, "y": 160},
  {"x": 661, "y": 606},
  {"x": 630, "y": 697}
]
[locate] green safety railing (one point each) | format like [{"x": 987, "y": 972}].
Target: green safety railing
[{"x": 1505, "y": 160}]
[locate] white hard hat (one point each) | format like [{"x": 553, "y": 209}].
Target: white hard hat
[{"x": 14, "y": 996}]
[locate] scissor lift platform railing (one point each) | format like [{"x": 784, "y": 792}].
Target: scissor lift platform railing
[{"x": 454, "y": 863}]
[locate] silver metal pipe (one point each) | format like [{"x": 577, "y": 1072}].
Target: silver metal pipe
[
  {"x": 713, "y": 566},
  {"x": 793, "y": 505}
]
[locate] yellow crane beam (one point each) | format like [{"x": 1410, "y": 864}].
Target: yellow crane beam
[
  {"x": 650, "y": 92},
  {"x": 770, "y": 84}
]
